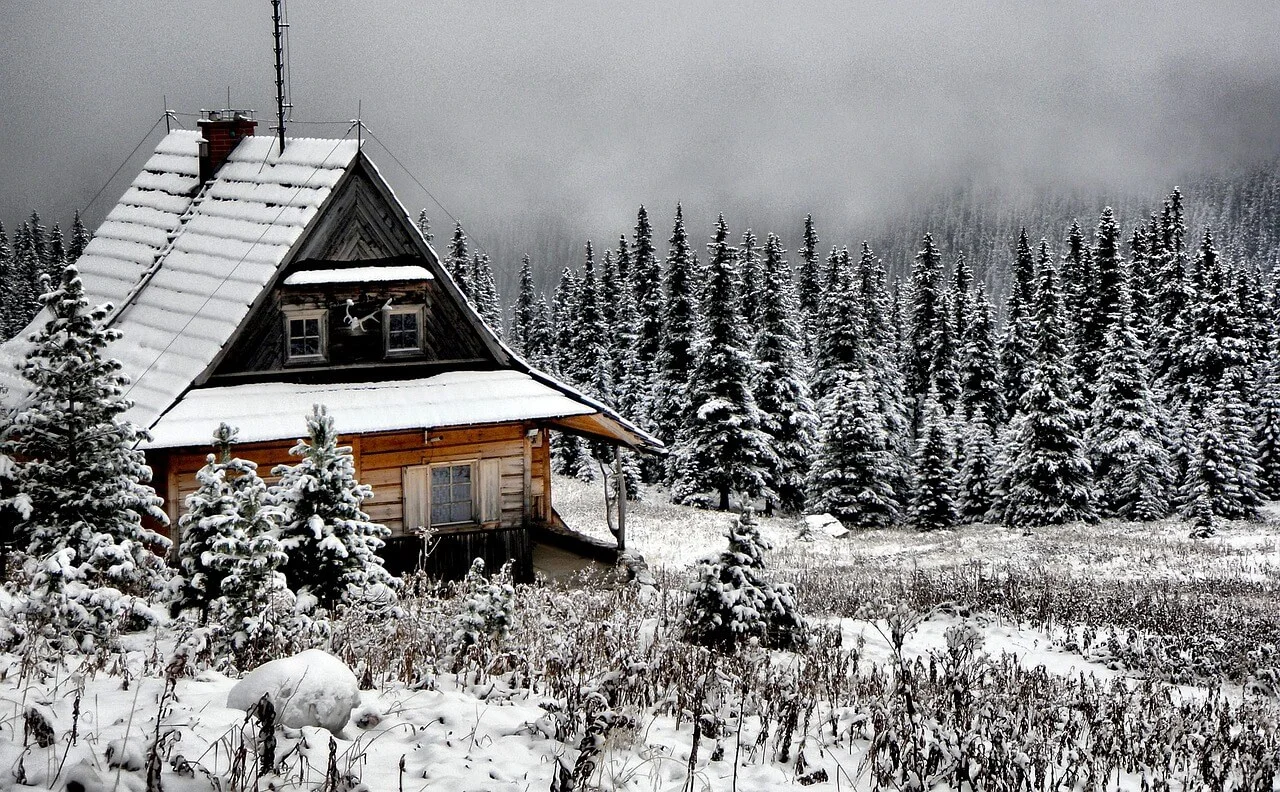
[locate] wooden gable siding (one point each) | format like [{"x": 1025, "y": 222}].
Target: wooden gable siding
[
  {"x": 380, "y": 460},
  {"x": 357, "y": 226}
]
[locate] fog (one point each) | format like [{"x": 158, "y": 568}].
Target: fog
[{"x": 556, "y": 118}]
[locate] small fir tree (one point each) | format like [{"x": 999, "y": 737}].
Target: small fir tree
[
  {"x": 209, "y": 518},
  {"x": 1127, "y": 444},
  {"x": 1017, "y": 345},
  {"x": 977, "y": 462},
  {"x": 331, "y": 542},
  {"x": 1049, "y": 477},
  {"x": 488, "y": 608},
  {"x": 83, "y": 482},
  {"x": 928, "y": 312},
  {"x": 424, "y": 227},
  {"x": 522, "y": 315},
  {"x": 853, "y": 470},
  {"x": 484, "y": 293},
  {"x": 810, "y": 284},
  {"x": 732, "y": 604},
  {"x": 723, "y": 449},
  {"x": 786, "y": 412},
  {"x": 458, "y": 263},
  {"x": 752, "y": 277},
  {"x": 675, "y": 361},
  {"x": 933, "y": 502},
  {"x": 979, "y": 364}
]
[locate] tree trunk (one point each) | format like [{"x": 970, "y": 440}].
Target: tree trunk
[{"x": 724, "y": 499}]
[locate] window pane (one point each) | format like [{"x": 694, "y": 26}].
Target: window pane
[
  {"x": 440, "y": 513},
  {"x": 439, "y": 475},
  {"x": 461, "y": 512},
  {"x": 461, "y": 473}
]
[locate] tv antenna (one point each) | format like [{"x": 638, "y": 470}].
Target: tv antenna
[{"x": 279, "y": 27}]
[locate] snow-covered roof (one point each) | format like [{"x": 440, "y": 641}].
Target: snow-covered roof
[
  {"x": 405, "y": 272},
  {"x": 277, "y": 410},
  {"x": 183, "y": 264}
]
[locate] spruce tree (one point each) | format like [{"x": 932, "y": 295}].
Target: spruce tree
[
  {"x": 723, "y": 449},
  {"x": 1104, "y": 296},
  {"x": 675, "y": 361},
  {"x": 646, "y": 291},
  {"x": 979, "y": 365},
  {"x": 1126, "y": 441},
  {"x": 928, "y": 315},
  {"x": 622, "y": 325},
  {"x": 79, "y": 240},
  {"x": 1220, "y": 473},
  {"x": 79, "y": 472},
  {"x": 26, "y": 277},
  {"x": 1017, "y": 342},
  {"x": 331, "y": 542},
  {"x": 8, "y": 282},
  {"x": 962, "y": 306},
  {"x": 1174, "y": 296},
  {"x": 811, "y": 287},
  {"x": 424, "y": 226},
  {"x": 1049, "y": 477},
  {"x": 458, "y": 265},
  {"x": 522, "y": 315},
  {"x": 977, "y": 461},
  {"x": 210, "y": 514},
  {"x": 840, "y": 343},
  {"x": 592, "y": 365},
  {"x": 484, "y": 294},
  {"x": 882, "y": 363},
  {"x": 564, "y": 312},
  {"x": 1267, "y": 431},
  {"x": 945, "y": 383},
  {"x": 1212, "y": 346},
  {"x": 852, "y": 469},
  {"x": 1077, "y": 289},
  {"x": 933, "y": 501},
  {"x": 787, "y": 414},
  {"x": 55, "y": 254},
  {"x": 732, "y": 604},
  {"x": 751, "y": 276}
]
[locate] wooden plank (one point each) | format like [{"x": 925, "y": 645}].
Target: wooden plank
[{"x": 526, "y": 465}]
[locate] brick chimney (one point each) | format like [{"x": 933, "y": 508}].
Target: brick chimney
[{"x": 221, "y": 131}]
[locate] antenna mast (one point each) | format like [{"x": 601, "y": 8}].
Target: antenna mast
[{"x": 279, "y": 35}]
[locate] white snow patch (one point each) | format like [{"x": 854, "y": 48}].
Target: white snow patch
[
  {"x": 311, "y": 688},
  {"x": 825, "y": 524},
  {"x": 407, "y": 272}
]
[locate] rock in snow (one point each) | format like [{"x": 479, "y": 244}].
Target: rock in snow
[
  {"x": 311, "y": 688},
  {"x": 826, "y": 524}
]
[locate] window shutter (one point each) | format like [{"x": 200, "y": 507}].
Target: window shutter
[
  {"x": 490, "y": 490},
  {"x": 415, "y": 499}
]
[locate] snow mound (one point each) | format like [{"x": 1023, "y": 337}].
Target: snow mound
[
  {"x": 311, "y": 688},
  {"x": 825, "y": 524}
]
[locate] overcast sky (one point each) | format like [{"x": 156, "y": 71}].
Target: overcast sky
[{"x": 579, "y": 111}]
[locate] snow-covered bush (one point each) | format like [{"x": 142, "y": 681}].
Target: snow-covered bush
[
  {"x": 209, "y": 519},
  {"x": 331, "y": 544},
  {"x": 732, "y": 603},
  {"x": 486, "y": 612},
  {"x": 81, "y": 480}
]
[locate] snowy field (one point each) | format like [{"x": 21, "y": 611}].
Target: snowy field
[{"x": 1107, "y": 657}]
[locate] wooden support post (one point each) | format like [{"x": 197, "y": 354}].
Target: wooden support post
[{"x": 621, "y": 484}]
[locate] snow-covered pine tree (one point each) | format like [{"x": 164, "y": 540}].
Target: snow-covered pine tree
[
  {"x": 933, "y": 500},
  {"x": 787, "y": 414},
  {"x": 622, "y": 327},
  {"x": 8, "y": 282},
  {"x": 1212, "y": 345},
  {"x": 256, "y": 607},
  {"x": 593, "y": 366},
  {"x": 852, "y": 470},
  {"x": 26, "y": 276},
  {"x": 1108, "y": 274},
  {"x": 488, "y": 608},
  {"x": 331, "y": 542},
  {"x": 210, "y": 514},
  {"x": 882, "y": 361},
  {"x": 980, "y": 367},
  {"x": 945, "y": 382},
  {"x": 732, "y": 604},
  {"x": 928, "y": 313},
  {"x": 1017, "y": 344},
  {"x": 80, "y": 473},
  {"x": 1213, "y": 478},
  {"x": 1077, "y": 285},
  {"x": 840, "y": 343},
  {"x": 40, "y": 243},
  {"x": 675, "y": 361},
  {"x": 961, "y": 306},
  {"x": 541, "y": 338},
  {"x": 569, "y": 455},
  {"x": 458, "y": 264},
  {"x": 977, "y": 461},
  {"x": 1049, "y": 480},
  {"x": 1175, "y": 295},
  {"x": 1267, "y": 434},
  {"x": 484, "y": 293},
  {"x": 810, "y": 285},
  {"x": 1241, "y": 453},
  {"x": 723, "y": 450},
  {"x": 1141, "y": 283},
  {"x": 1126, "y": 439},
  {"x": 80, "y": 237},
  {"x": 424, "y": 226},
  {"x": 646, "y": 291},
  {"x": 751, "y": 277},
  {"x": 522, "y": 312}
]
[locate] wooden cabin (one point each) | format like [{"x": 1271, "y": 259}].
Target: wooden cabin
[{"x": 250, "y": 283}]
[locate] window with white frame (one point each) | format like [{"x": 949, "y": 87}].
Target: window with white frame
[
  {"x": 452, "y": 499},
  {"x": 305, "y": 335},
  {"x": 403, "y": 330}
]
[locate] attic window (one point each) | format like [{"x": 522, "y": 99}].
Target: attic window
[
  {"x": 404, "y": 330},
  {"x": 305, "y": 335}
]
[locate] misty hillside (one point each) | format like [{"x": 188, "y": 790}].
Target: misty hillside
[{"x": 1241, "y": 206}]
